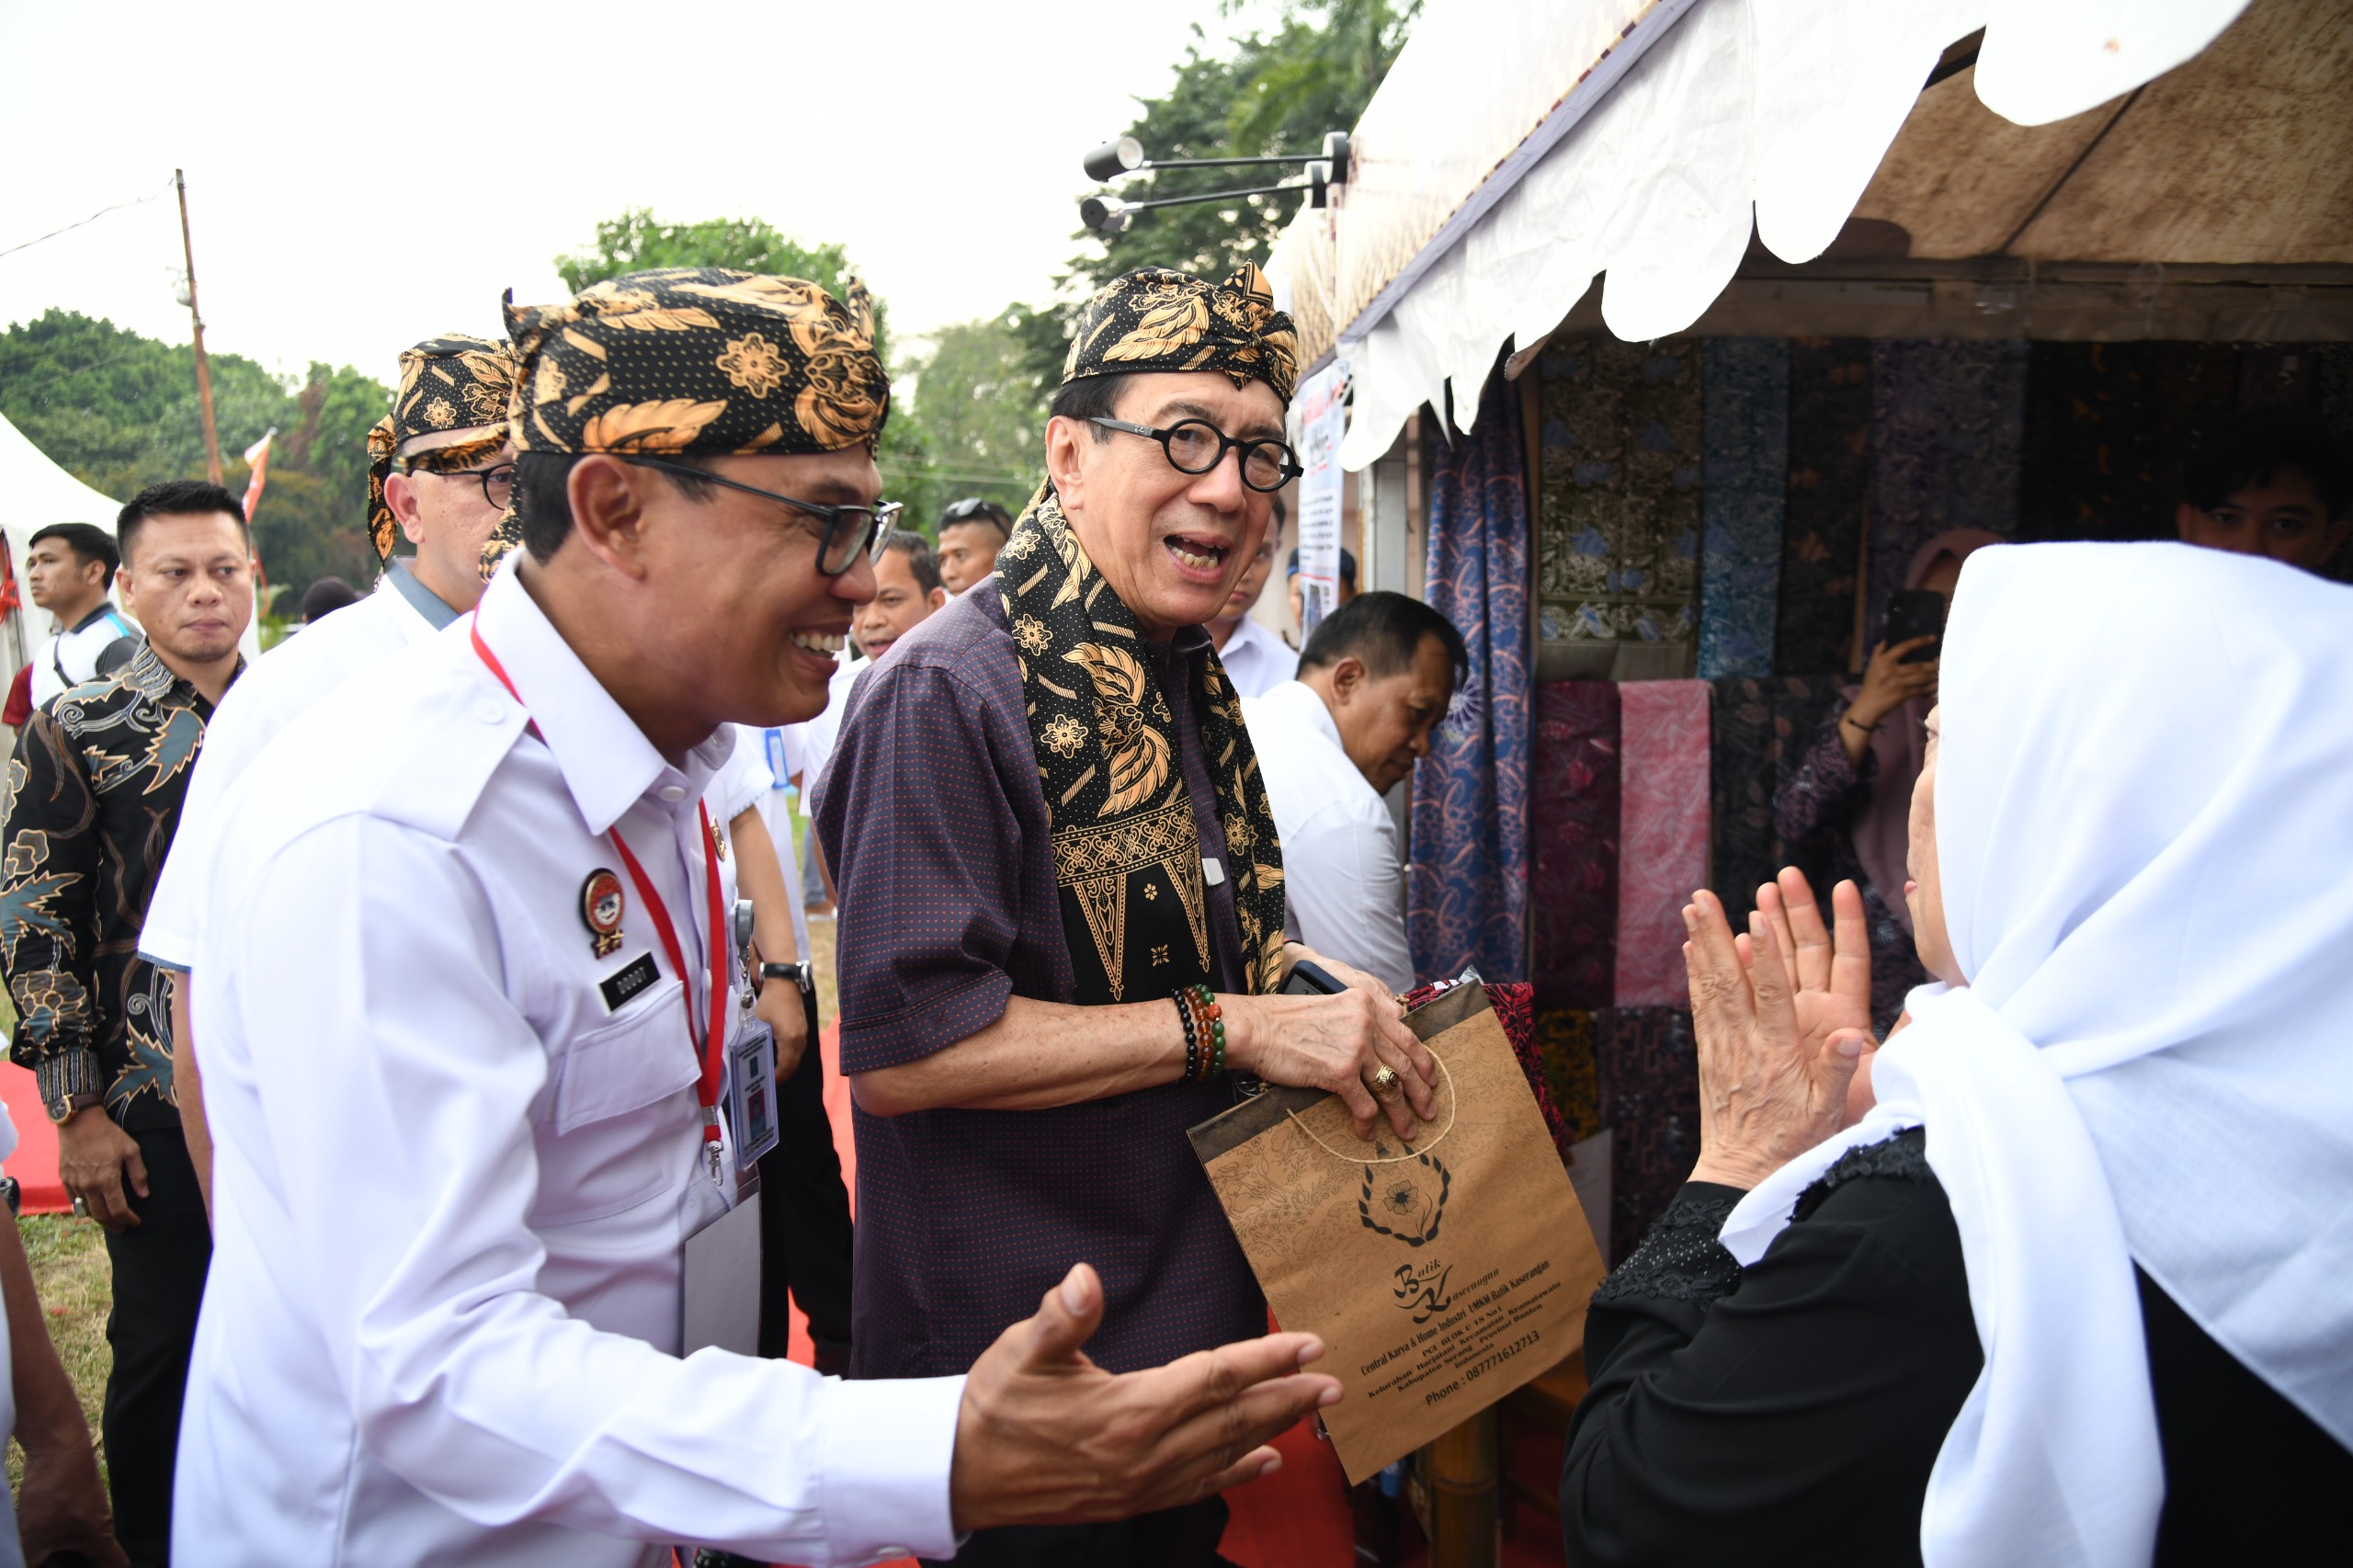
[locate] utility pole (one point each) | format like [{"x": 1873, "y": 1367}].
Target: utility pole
[{"x": 203, "y": 366}]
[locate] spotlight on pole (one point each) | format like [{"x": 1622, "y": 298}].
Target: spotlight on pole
[
  {"x": 1105, "y": 215},
  {"x": 1336, "y": 153},
  {"x": 1113, "y": 159}
]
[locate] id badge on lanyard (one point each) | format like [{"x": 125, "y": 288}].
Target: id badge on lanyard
[{"x": 751, "y": 1059}]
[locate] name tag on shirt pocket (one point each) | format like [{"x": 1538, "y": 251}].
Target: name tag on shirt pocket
[
  {"x": 625, "y": 983},
  {"x": 638, "y": 1058}
]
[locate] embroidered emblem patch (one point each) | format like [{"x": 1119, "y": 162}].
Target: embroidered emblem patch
[{"x": 601, "y": 902}]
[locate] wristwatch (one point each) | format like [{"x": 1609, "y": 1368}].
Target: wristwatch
[
  {"x": 60, "y": 1111},
  {"x": 801, "y": 974}
]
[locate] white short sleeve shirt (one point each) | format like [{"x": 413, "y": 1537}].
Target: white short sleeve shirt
[
  {"x": 1344, "y": 876},
  {"x": 274, "y": 691},
  {"x": 1257, "y": 661},
  {"x": 458, "y": 1156}
]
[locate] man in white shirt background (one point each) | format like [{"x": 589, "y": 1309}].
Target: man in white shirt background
[
  {"x": 69, "y": 568},
  {"x": 1255, "y": 660},
  {"x": 463, "y": 1073},
  {"x": 440, "y": 485},
  {"x": 1374, "y": 679}
]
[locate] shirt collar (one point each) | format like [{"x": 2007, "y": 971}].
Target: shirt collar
[
  {"x": 106, "y": 607},
  {"x": 437, "y": 612},
  {"x": 147, "y": 675},
  {"x": 1248, "y": 634},
  {"x": 606, "y": 761},
  {"x": 1304, "y": 703}
]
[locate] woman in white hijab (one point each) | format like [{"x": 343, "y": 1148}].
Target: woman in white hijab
[{"x": 2065, "y": 1276}]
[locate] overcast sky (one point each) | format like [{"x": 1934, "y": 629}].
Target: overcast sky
[{"x": 362, "y": 177}]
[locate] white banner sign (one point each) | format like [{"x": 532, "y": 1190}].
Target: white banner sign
[{"x": 1319, "y": 418}]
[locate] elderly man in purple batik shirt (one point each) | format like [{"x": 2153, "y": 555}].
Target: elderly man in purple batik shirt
[{"x": 1061, "y": 897}]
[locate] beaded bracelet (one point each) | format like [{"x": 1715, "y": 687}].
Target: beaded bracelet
[
  {"x": 1192, "y": 1049},
  {"x": 1202, "y": 1025},
  {"x": 1213, "y": 1019}
]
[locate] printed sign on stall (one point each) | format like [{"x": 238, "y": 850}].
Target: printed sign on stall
[{"x": 1319, "y": 418}]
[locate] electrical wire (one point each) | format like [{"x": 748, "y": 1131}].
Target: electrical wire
[{"x": 135, "y": 202}]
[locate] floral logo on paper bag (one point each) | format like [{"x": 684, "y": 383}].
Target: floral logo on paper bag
[{"x": 1404, "y": 1200}]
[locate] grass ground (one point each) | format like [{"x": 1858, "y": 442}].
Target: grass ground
[{"x": 68, "y": 1259}]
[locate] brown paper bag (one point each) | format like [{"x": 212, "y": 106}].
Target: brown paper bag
[{"x": 1442, "y": 1276}]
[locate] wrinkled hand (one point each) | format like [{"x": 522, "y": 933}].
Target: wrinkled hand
[
  {"x": 1044, "y": 1436},
  {"x": 94, "y": 1159},
  {"x": 1765, "y": 1094},
  {"x": 62, "y": 1506},
  {"x": 1888, "y": 682},
  {"x": 1829, "y": 977},
  {"x": 780, "y": 1009},
  {"x": 1336, "y": 1042}
]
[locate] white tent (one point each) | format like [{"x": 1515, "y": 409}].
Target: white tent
[
  {"x": 1519, "y": 150},
  {"x": 35, "y": 492}
]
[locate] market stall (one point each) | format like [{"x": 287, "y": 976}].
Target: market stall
[{"x": 1730, "y": 306}]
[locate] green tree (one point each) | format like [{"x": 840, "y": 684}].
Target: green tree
[
  {"x": 979, "y": 407},
  {"x": 635, "y": 242},
  {"x": 118, "y": 411},
  {"x": 1265, "y": 94}
]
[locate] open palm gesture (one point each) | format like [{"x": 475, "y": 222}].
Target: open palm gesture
[
  {"x": 1780, "y": 1016},
  {"x": 1829, "y": 976}
]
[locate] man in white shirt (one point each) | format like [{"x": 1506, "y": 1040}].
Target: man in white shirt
[
  {"x": 441, "y": 486},
  {"x": 473, "y": 1179},
  {"x": 69, "y": 567},
  {"x": 1255, "y": 660},
  {"x": 1373, "y": 681}
]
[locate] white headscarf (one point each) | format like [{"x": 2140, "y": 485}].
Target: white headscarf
[{"x": 2144, "y": 835}]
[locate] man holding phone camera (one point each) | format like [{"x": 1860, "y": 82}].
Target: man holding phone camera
[{"x": 1061, "y": 893}]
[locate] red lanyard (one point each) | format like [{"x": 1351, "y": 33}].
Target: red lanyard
[{"x": 709, "y": 1053}]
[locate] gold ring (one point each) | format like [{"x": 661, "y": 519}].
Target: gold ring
[{"x": 1385, "y": 1084}]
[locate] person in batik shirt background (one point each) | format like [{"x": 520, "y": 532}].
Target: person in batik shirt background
[{"x": 93, "y": 795}]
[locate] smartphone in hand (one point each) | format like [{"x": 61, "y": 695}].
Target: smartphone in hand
[{"x": 1916, "y": 612}]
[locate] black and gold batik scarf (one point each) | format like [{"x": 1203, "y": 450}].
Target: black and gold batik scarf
[{"x": 1127, "y": 851}]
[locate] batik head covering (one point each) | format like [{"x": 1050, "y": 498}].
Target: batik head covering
[
  {"x": 1127, "y": 846},
  {"x": 452, "y": 383},
  {"x": 699, "y": 360},
  {"x": 686, "y": 360},
  {"x": 2142, "y": 848},
  {"x": 1152, "y": 319}
]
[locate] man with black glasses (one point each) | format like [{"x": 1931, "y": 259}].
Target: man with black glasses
[
  {"x": 441, "y": 471},
  {"x": 484, "y": 1077},
  {"x": 1061, "y": 897}
]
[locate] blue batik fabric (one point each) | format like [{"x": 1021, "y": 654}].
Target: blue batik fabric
[
  {"x": 1745, "y": 492},
  {"x": 1948, "y": 429},
  {"x": 1467, "y": 899}
]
